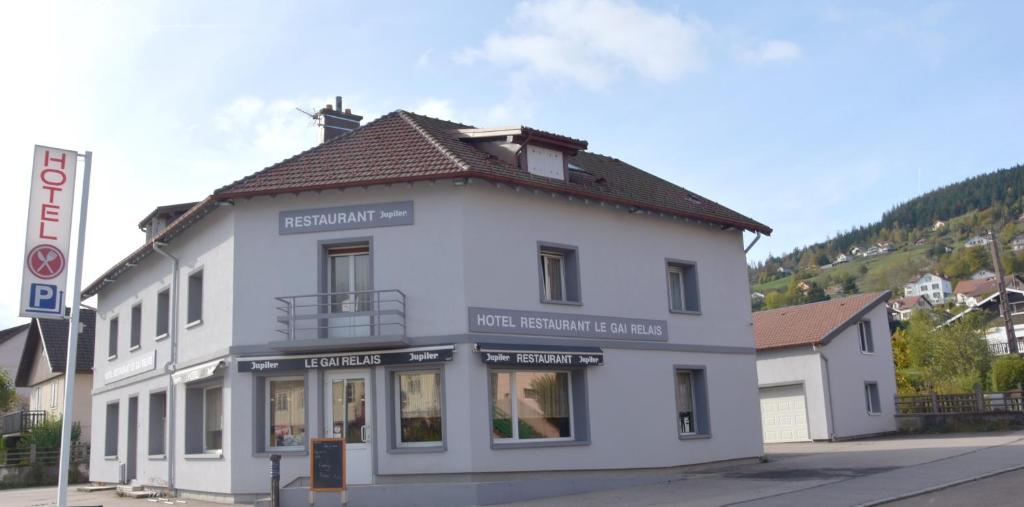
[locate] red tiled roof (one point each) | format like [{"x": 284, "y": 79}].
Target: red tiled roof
[
  {"x": 810, "y": 324},
  {"x": 405, "y": 147},
  {"x": 909, "y": 302}
]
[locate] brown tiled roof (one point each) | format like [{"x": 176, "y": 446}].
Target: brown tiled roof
[
  {"x": 975, "y": 288},
  {"x": 909, "y": 302},
  {"x": 404, "y": 147},
  {"x": 810, "y": 324}
]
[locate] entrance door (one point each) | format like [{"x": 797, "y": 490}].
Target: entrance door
[
  {"x": 348, "y": 273},
  {"x": 348, "y": 415},
  {"x": 133, "y": 438}
]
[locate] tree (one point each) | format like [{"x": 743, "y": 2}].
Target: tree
[
  {"x": 8, "y": 393},
  {"x": 1008, "y": 373},
  {"x": 947, "y": 358}
]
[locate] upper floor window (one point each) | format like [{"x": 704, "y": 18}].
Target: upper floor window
[
  {"x": 136, "y": 327},
  {"x": 683, "y": 294},
  {"x": 867, "y": 342},
  {"x": 195, "y": 297},
  {"x": 559, "y": 274},
  {"x": 163, "y": 312},
  {"x": 112, "y": 338}
]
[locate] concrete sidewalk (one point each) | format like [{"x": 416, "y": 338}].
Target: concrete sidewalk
[{"x": 827, "y": 474}]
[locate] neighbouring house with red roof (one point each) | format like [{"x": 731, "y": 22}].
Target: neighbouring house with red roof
[
  {"x": 471, "y": 309},
  {"x": 825, "y": 370},
  {"x": 972, "y": 292},
  {"x": 903, "y": 308}
]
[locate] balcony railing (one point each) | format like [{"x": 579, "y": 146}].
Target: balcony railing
[
  {"x": 22, "y": 421},
  {"x": 342, "y": 314},
  {"x": 1003, "y": 348}
]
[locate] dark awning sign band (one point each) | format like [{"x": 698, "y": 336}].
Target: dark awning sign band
[
  {"x": 540, "y": 355},
  {"x": 347, "y": 360}
]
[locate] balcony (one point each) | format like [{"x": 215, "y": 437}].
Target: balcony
[
  {"x": 1003, "y": 348},
  {"x": 16, "y": 423},
  {"x": 337, "y": 321}
]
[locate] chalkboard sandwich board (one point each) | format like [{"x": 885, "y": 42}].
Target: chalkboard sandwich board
[{"x": 327, "y": 465}]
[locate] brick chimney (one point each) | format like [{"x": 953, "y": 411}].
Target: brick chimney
[{"x": 334, "y": 121}]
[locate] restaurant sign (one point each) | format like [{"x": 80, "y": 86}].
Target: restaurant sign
[
  {"x": 490, "y": 320},
  {"x": 130, "y": 368},
  {"x": 343, "y": 218},
  {"x": 347, "y": 360}
]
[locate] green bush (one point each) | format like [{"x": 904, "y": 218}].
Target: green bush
[
  {"x": 1008, "y": 373},
  {"x": 46, "y": 435}
]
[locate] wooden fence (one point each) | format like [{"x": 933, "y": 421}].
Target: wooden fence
[{"x": 977, "y": 402}]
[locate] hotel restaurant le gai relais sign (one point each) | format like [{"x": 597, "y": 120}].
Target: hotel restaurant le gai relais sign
[{"x": 48, "y": 235}]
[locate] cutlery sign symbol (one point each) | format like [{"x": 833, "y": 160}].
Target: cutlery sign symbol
[{"x": 45, "y": 261}]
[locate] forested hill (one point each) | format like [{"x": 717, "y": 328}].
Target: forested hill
[{"x": 970, "y": 206}]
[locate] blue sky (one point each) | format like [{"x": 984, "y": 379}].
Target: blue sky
[{"x": 809, "y": 116}]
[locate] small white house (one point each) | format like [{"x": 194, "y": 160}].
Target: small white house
[
  {"x": 974, "y": 241},
  {"x": 938, "y": 225},
  {"x": 984, "y": 274},
  {"x": 841, "y": 258},
  {"x": 931, "y": 286},
  {"x": 825, "y": 370},
  {"x": 1017, "y": 244}
]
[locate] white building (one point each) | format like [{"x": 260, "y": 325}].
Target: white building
[
  {"x": 841, "y": 258},
  {"x": 931, "y": 286},
  {"x": 825, "y": 370},
  {"x": 904, "y": 307},
  {"x": 974, "y": 241},
  {"x": 984, "y": 274},
  {"x": 467, "y": 307},
  {"x": 995, "y": 333},
  {"x": 1017, "y": 244}
]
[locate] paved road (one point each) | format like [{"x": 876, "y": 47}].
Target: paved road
[
  {"x": 998, "y": 491},
  {"x": 46, "y": 497},
  {"x": 826, "y": 474}
]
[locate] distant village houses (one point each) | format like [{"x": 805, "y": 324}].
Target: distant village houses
[
  {"x": 1017, "y": 244},
  {"x": 938, "y": 225},
  {"x": 983, "y": 274},
  {"x": 841, "y": 258},
  {"x": 903, "y": 308},
  {"x": 972, "y": 292}
]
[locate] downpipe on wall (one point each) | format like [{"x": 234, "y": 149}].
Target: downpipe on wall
[
  {"x": 171, "y": 364},
  {"x": 828, "y": 392}
]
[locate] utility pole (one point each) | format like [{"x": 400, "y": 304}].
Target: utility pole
[{"x": 1004, "y": 305}]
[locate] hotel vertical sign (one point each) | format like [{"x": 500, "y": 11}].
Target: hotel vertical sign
[{"x": 48, "y": 235}]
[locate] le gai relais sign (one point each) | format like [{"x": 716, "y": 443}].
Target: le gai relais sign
[{"x": 48, "y": 235}]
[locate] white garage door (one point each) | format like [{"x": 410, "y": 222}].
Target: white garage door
[{"x": 783, "y": 414}]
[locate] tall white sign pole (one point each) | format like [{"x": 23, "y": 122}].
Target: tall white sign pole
[{"x": 72, "y": 357}]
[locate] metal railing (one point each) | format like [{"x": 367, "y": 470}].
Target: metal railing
[
  {"x": 1003, "y": 348},
  {"x": 49, "y": 456},
  {"x": 21, "y": 421},
  {"x": 967, "y": 403},
  {"x": 342, "y": 314}
]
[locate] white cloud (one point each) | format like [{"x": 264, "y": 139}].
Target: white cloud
[
  {"x": 593, "y": 42},
  {"x": 771, "y": 51},
  {"x": 438, "y": 108}
]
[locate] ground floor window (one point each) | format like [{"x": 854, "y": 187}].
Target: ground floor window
[
  {"x": 871, "y": 399},
  {"x": 213, "y": 419},
  {"x": 157, "y": 422},
  {"x": 418, "y": 408},
  {"x": 531, "y": 405},
  {"x": 204, "y": 418},
  {"x": 691, "y": 402},
  {"x": 286, "y": 412},
  {"x": 110, "y": 440}
]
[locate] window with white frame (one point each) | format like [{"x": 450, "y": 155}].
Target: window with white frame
[
  {"x": 195, "y": 297},
  {"x": 559, "y": 274},
  {"x": 418, "y": 408},
  {"x": 136, "y": 327},
  {"x": 530, "y": 405},
  {"x": 286, "y": 412},
  {"x": 163, "y": 312},
  {"x": 110, "y": 431},
  {"x": 867, "y": 341},
  {"x": 36, "y": 398},
  {"x": 683, "y": 295},
  {"x": 53, "y": 394},
  {"x": 871, "y": 399},
  {"x": 112, "y": 338},
  {"x": 213, "y": 419}
]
